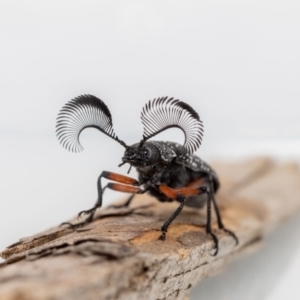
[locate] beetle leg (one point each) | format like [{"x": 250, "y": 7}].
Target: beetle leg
[
  {"x": 180, "y": 195},
  {"x": 165, "y": 226},
  {"x": 108, "y": 175},
  {"x": 113, "y": 186},
  {"x": 129, "y": 200},
  {"x": 124, "y": 188},
  {"x": 175, "y": 195},
  {"x": 132, "y": 183},
  {"x": 119, "y": 178},
  {"x": 219, "y": 219},
  {"x": 208, "y": 219},
  {"x": 191, "y": 191}
]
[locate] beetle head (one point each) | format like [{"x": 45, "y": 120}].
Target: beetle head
[{"x": 141, "y": 156}]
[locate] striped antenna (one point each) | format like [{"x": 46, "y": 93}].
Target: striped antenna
[
  {"x": 163, "y": 113},
  {"x": 80, "y": 113}
]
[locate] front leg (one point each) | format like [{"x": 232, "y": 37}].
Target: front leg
[
  {"x": 130, "y": 198},
  {"x": 112, "y": 176},
  {"x": 131, "y": 188}
]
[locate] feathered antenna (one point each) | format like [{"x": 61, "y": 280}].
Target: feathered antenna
[
  {"x": 163, "y": 113},
  {"x": 80, "y": 113}
]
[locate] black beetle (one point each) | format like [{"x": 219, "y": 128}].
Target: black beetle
[{"x": 167, "y": 170}]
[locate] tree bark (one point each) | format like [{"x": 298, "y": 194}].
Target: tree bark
[{"x": 119, "y": 256}]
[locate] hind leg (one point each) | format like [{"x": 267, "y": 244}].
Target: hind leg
[{"x": 219, "y": 218}]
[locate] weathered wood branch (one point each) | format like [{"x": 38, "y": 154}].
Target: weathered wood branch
[{"x": 119, "y": 256}]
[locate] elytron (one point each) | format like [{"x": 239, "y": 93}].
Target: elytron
[{"x": 167, "y": 170}]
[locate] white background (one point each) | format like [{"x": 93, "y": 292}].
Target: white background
[{"x": 236, "y": 62}]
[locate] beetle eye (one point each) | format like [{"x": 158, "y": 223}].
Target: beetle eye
[{"x": 147, "y": 152}]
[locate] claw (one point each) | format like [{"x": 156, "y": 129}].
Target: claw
[
  {"x": 163, "y": 236},
  {"x": 216, "y": 252},
  {"x": 233, "y": 235},
  {"x": 81, "y": 213},
  {"x": 216, "y": 242},
  {"x": 66, "y": 223},
  {"x": 73, "y": 226},
  {"x": 86, "y": 212}
]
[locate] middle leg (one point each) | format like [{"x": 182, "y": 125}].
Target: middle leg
[{"x": 180, "y": 195}]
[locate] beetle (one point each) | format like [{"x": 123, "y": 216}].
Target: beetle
[{"x": 167, "y": 170}]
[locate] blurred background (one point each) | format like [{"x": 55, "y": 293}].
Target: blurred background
[{"x": 235, "y": 62}]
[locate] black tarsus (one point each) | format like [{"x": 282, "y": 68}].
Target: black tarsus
[
  {"x": 98, "y": 203},
  {"x": 91, "y": 211}
]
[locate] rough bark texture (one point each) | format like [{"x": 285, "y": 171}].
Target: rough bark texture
[{"x": 119, "y": 256}]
